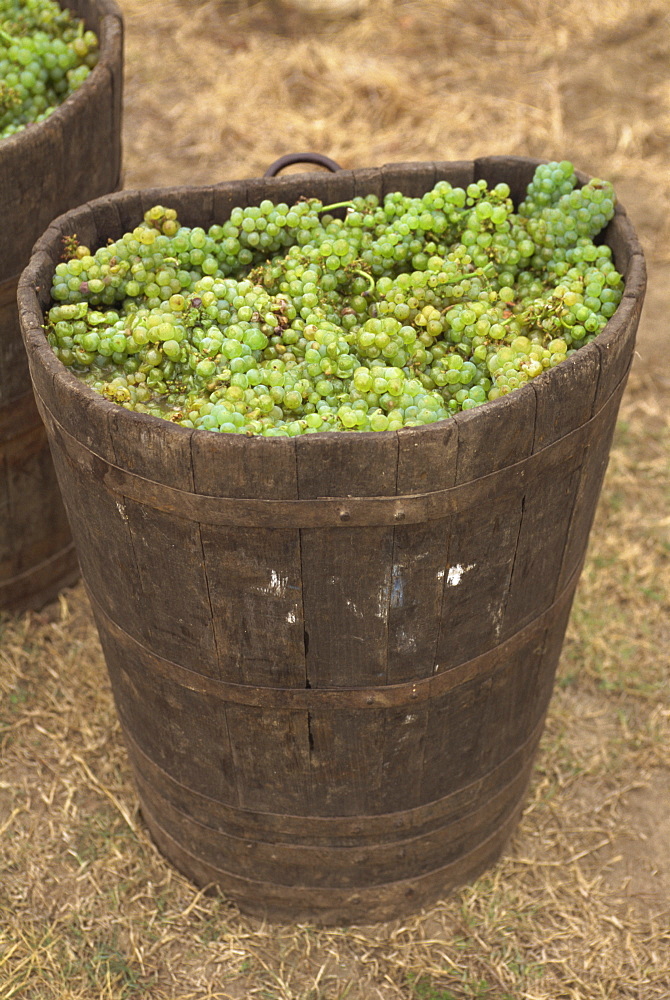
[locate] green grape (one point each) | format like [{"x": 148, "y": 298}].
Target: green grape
[
  {"x": 45, "y": 55},
  {"x": 286, "y": 320}
]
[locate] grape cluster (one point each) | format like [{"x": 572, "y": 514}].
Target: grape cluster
[
  {"x": 550, "y": 182},
  {"x": 578, "y": 214},
  {"x": 286, "y": 320},
  {"x": 45, "y": 54}
]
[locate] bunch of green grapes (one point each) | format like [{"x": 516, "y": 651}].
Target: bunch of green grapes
[
  {"x": 287, "y": 320},
  {"x": 45, "y": 54}
]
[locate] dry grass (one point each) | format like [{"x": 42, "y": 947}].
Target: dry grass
[
  {"x": 411, "y": 80},
  {"x": 578, "y": 907}
]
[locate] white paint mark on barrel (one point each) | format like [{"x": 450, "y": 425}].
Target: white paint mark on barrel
[
  {"x": 277, "y": 585},
  {"x": 455, "y": 574}
]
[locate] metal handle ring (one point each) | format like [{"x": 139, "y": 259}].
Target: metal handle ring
[{"x": 290, "y": 158}]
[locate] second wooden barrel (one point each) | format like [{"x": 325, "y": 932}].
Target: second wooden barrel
[{"x": 71, "y": 157}]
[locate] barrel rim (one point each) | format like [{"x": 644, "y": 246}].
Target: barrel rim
[
  {"x": 32, "y": 312},
  {"x": 70, "y": 107}
]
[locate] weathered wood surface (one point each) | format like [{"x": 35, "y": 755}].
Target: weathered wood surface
[
  {"x": 334, "y": 831},
  {"x": 71, "y": 157},
  {"x": 332, "y": 655}
]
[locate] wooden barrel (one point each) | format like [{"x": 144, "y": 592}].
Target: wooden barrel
[
  {"x": 69, "y": 158},
  {"x": 332, "y": 654}
]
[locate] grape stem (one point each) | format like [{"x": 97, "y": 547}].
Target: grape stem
[
  {"x": 339, "y": 204},
  {"x": 364, "y": 274}
]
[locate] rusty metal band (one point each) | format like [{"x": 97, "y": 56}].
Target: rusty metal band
[
  {"x": 394, "y": 826},
  {"x": 408, "y": 694},
  {"x": 214, "y": 841},
  {"x": 320, "y": 898},
  {"x": 330, "y": 512}
]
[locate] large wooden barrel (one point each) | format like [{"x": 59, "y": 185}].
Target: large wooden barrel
[
  {"x": 71, "y": 157},
  {"x": 332, "y": 655}
]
